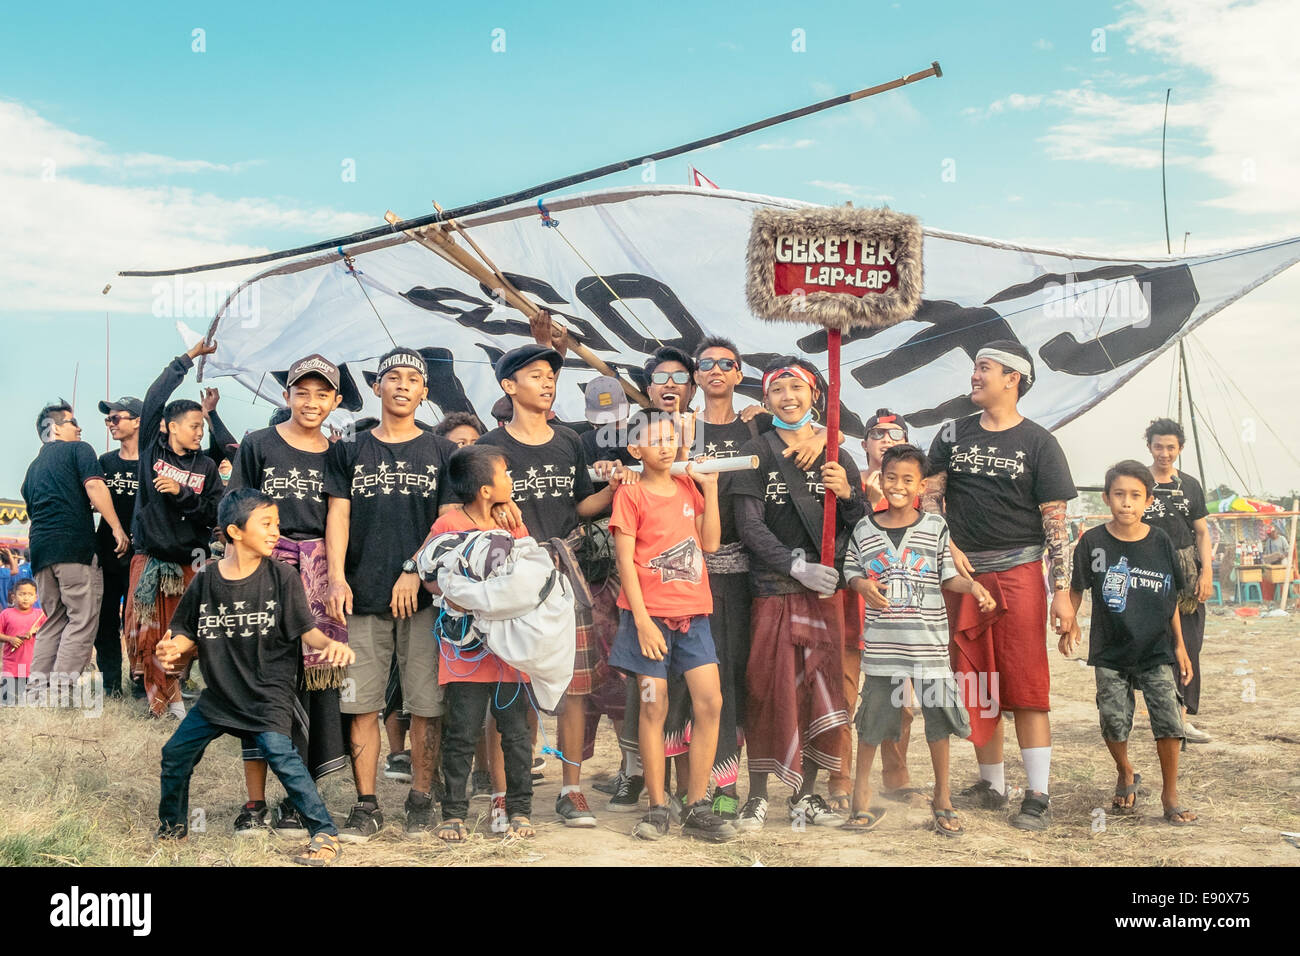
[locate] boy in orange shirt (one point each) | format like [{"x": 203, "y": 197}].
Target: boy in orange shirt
[{"x": 662, "y": 525}]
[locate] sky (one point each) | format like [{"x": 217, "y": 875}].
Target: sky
[{"x": 158, "y": 135}]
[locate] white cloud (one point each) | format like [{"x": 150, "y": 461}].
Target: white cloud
[
  {"x": 850, "y": 190},
  {"x": 789, "y": 144},
  {"x": 1014, "y": 101},
  {"x": 1042, "y": 43},
  {"x": 66, "y": 236}
]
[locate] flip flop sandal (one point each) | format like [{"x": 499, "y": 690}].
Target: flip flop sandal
[
  {"x": 1123, "y": 792},
  {"x": 840, "y": 802},
  {"x": 451, "y": 831},
  {"x": 323, "y": 850},
  {"x": 864, "y": 821},
  {"x": 1173, "y": 812},
  {"x": 518, "y": 823},
  {"x": 947, "y": 815}
]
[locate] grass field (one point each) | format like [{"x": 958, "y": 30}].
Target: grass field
[{"x": 82, "y": 790}]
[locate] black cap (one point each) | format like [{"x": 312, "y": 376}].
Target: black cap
[
  {"x": 127, "y": 403},
  {"x": 516, "y": 359},
  {"x": 314, "y": 364},
  {"x": 885, "y": 416},
  {"x": 402, "y": 358},
  {"x": 346, "y": 387}
]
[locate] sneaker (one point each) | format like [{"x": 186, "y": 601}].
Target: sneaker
[
  {"x": 175, "y": 710},
  {"x": 421, "y": 815},
  {"x": 573, "y": 810},
  {"x": 726, "y": 805},
  {"x": 482, "y": 786},
  {"x": 652, "y": 826},
  {"x": 288, "y": 822},
  {"x": 539, "y": 764},
  {"x": 812, "y": 810},
  {"x": 628, "y": 796},
  {"x": 171, "y": 831},
  {"x": 701, "y": 823},
  {"x": 398, "y": 767},
  {"x": 364, "y": 821},
  {"x": 252, "y": 820},
  {"x": 752, "y": 815},
  {"x": 610, "y": 786},
  {"x": 1034, "y": 813},
  {"x": 980, "y": 796},
  {"x": 1194, "y": 736}
]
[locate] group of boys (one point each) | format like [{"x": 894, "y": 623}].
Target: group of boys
[{"x": 731, "y": 625}]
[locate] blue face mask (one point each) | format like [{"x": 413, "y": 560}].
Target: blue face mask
[{"x": 792, "y": 426}]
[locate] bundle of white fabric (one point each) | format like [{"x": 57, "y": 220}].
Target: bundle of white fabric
[{"x": 518, "y": 604}]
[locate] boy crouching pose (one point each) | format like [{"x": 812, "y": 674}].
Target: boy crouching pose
[
  {"x": 1136, "y": 640},
  {"x": 899, "y": 561},
  {"x": 662, "y": 525},
  {"x": 247, "y": 616}
]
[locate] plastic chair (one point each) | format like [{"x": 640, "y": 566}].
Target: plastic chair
[
  {"x": 1249, "y": 591},
  {"x": 1218, "y": 594}
]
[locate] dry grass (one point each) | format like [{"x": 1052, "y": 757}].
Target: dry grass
[{"x": 84, "y": 791}]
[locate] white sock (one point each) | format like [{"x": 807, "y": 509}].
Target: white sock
[
  {"x": 995, "y": 774},
  {"x": 575, "y": 788},
  {"x": 502, "y": 795},
  {"x": 1038, "y": 767}
]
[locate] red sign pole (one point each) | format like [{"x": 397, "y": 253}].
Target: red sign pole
[{"x": 832, "y": 440}]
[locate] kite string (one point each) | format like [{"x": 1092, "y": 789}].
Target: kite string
[
  {"x": 554, "y": 225},
  {"x": 348, "y": 263}
]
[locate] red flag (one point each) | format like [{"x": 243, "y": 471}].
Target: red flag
[{"x": 699, "y": 179}]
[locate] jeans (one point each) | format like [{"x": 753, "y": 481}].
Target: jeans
[
  {"x": 181, "y": 754},
  {"x": 465, "y": 702}
]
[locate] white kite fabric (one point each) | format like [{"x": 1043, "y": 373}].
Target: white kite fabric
[{"x": 676, "y": 258}]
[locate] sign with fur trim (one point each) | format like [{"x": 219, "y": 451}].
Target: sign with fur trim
[{"x": 834, "y": 266}]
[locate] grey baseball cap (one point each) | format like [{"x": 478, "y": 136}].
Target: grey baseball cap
[{"x": 606, "y": 401}]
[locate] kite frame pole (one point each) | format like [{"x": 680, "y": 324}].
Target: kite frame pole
[{"x": 533, "y": 192}]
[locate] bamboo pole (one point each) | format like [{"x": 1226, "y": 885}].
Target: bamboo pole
[{"x": 436, "y": 239}]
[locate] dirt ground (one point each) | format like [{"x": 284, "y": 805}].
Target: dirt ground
[{"x": 80, "y": 790}]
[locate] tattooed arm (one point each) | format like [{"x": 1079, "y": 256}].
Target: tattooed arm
[
  {"x": 932, "y": 500},
  {"x": 1057, "y": 536}
]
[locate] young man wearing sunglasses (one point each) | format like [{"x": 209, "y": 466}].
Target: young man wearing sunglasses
[{"x": 120, "y": 475}]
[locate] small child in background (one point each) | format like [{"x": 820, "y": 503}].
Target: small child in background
[
  {"x": 899, "y": 562},
  {"x": 1136, "y": 639},
  {"x": 18, "y": 624}
]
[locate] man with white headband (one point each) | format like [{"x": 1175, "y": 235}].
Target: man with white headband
[{"x": 1002, "y": 482}]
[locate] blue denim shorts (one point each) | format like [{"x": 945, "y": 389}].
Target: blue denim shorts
[{"x": 685, "y": 651}]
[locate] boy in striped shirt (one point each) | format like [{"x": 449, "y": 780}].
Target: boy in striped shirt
[{"x": 899, "y": 561}]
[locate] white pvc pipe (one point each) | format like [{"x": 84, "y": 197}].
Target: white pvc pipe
[{"x": 707, "y": 467}]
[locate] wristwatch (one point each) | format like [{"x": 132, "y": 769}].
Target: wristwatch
[{"x": 409, "y": 567}]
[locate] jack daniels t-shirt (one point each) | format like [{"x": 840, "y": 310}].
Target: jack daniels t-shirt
[
  {"x": 997, "y": 480},
  {"x": 248, "y": 634},
  {"x": 122, "y": 477},
  {"x": 1177, "y": 505},
  {"x": 549, "y": 480},
  {"x": 292, "y": 478},
  {"x": 1135, "y": 587},
  {"x": 396, "y": 490}
]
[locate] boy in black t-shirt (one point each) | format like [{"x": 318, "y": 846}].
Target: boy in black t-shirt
[
  {"x": 122, "y": 479},
  {"x": 1136, "y": 640},
  {"x": 245, "y": 616}
]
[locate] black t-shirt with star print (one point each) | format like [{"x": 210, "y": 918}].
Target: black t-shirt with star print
[
  {"x": 122, "y": 478},
  {"x": 549, "y": 480},
  {"x": 1175, "y": 508},
  {"x": 248, "y": 634},
  {"x": 293, "y": 479},
  {"x": 997, "y": 480},
  {"x": 725, "y": 441},
  {"x": 395, "y": 490}
]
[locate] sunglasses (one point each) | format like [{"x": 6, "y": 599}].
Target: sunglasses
[
  {"x": 114, "y": 419},
  {"x": 878, "y": 433},
  {"x": 662, "y": 378},
  {"x": 725, "y": 364},
  {"x": 67, "y": 421}
]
